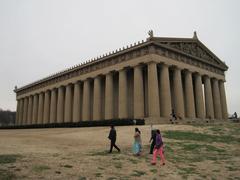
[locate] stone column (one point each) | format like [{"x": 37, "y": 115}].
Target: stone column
[
  {"x": 138, "y": 93},
  {"x": 76, "y": 102},
  {"x": 35, "y": 109},
  {"x": 53, "y": 106},
  {"x": 21, "y": 104},
  {"x": 208, "y": 98},
  {"x": 25, "y": 110},
  {"x": 17, "y": 112},
  {"x": 153, "y": 91},
  {"x": 178, "y": 93},
  {"x": 199, "y": 96},
  {"x": 97, "y": 98},
  {"x": 68, "y": 104},
  {"x": 86, "y": 101},
  {"x": 109, "y": 96},
  {"x": 40, "y": 109},
  {"x": 122, "y": 108},
  {"x": 30, "y": 109},
  {"x": 216, "y": 100},
  {"x": 223, "y": 100},
  {"x": 189, "y": 96},
  {"x": 46, "y": 110},
  {"x": 60, "y": 105},
  {"x": 165, "y": 93}
]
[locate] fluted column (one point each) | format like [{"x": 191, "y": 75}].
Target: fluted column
[
  {"x": 216, "y": 100},
  {"x": 40, "y": 109},
  {"x": 189, "y": 96},
  {"x": 97, "y": 98},
  {"x": 178, "y": 93},
  {"x": 30, "y": 109},
  {"x": 76, "y": 102},
  {"x": 165, "y": 93},
  {"x": 20, "y": 122},
  {"x": 109, "y": 96},
  {"x": 60, "y": 105},
  {"x": 153, "y": 91},
  {"x": 68, "y": 104},
  {"x": 17, "y": 112},
  {"x": 53, "y": 106},
  {"x": 86, "y": 101},
  {"x": 208, "y": 98},
  {"x": 122, "y": 107},
  {"x": 25, "y": 110},
  {"x": 46, "y": 110},
  {"x": 223, "y": 100},
  {"x": 35, "y": 109},
  {"x": 138, "y": 93},
  {"x": 199, "y": 96}
]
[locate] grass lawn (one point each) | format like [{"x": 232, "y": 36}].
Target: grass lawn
[{"x": 203, "y": 151}]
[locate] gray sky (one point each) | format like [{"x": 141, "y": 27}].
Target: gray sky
[{"x": 40, "y": 37}]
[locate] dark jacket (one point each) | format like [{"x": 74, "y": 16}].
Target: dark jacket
[
  {"x": 112, "y": 135},
  {"x": 153, "y": 136}
]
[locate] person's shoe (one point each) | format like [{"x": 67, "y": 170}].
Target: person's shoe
[
  {"x": 163, "y": 164},
  {"x": 153, "y": 163}
]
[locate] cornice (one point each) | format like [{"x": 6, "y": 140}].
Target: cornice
[{"x": 123, "y": 54}]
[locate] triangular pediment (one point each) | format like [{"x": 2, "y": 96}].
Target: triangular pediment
[{"x": 192, "y": 47}]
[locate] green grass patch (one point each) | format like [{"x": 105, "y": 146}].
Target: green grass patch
[
  {"x": 8, "y": 158},
  {"x": 68, "y": 166},
  {"x": 6, "y": 175},
  {"x": 82, "y": 178},
  {"x": 154, "y": 171},
  {"x": 111, "y": 178},
  {"x": 99, "y": 153},
  {"x": 101, "y": 168},
  {"x": 216, "y": 170},
  {"x": 138, "y": 173},
  {"x": 134, "y": 161},
  {"x": 116, "y": 158},
  {"x": 198, "y": 147},
  {"x": 232, "y": 168},
  {"x": 40, "y": 168},
  {"x": 98, "y": 174},
  {"x": 186, "y": 171},
  {"x": 118, "y": 165},
  {"x": 192, "y": 136}
]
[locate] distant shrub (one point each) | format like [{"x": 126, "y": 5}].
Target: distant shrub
[{"x": 115, "y": 122}]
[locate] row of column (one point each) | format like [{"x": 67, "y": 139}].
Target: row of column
[{"x": 75, "y": 102}]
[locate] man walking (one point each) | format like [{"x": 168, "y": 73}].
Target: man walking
[{"x": 113, "y": 136}]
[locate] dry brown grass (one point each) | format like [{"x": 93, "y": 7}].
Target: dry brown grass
[{"x": 192, "y": 152}]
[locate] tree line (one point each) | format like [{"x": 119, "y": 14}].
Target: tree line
[{"x": 7, "y": 117}]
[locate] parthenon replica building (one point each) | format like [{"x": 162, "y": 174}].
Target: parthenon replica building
[{"x": 145, "y": 80}]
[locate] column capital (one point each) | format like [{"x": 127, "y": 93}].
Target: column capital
[
  {"x": 205, "y": 76},
  {"x": 123, "y": 69},
  {"x": 162, "y": 64},
  {"x": 195, "y": 73},
  {"x": 187, "y": 71},
  {"x": 174, "y": 67},
  {"x": 151, "y": 62}
]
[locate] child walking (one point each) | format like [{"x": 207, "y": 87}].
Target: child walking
[
  {"x": 158, "y": 149},
  {"x": 137, "y": 145}
]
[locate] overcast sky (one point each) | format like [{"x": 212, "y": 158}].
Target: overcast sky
[{"x": 40, "y": 37}]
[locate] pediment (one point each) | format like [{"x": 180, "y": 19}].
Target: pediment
[{"x": 192, "y": 47}]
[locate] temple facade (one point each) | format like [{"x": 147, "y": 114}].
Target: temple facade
[{"x": 145, "y": 80}]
